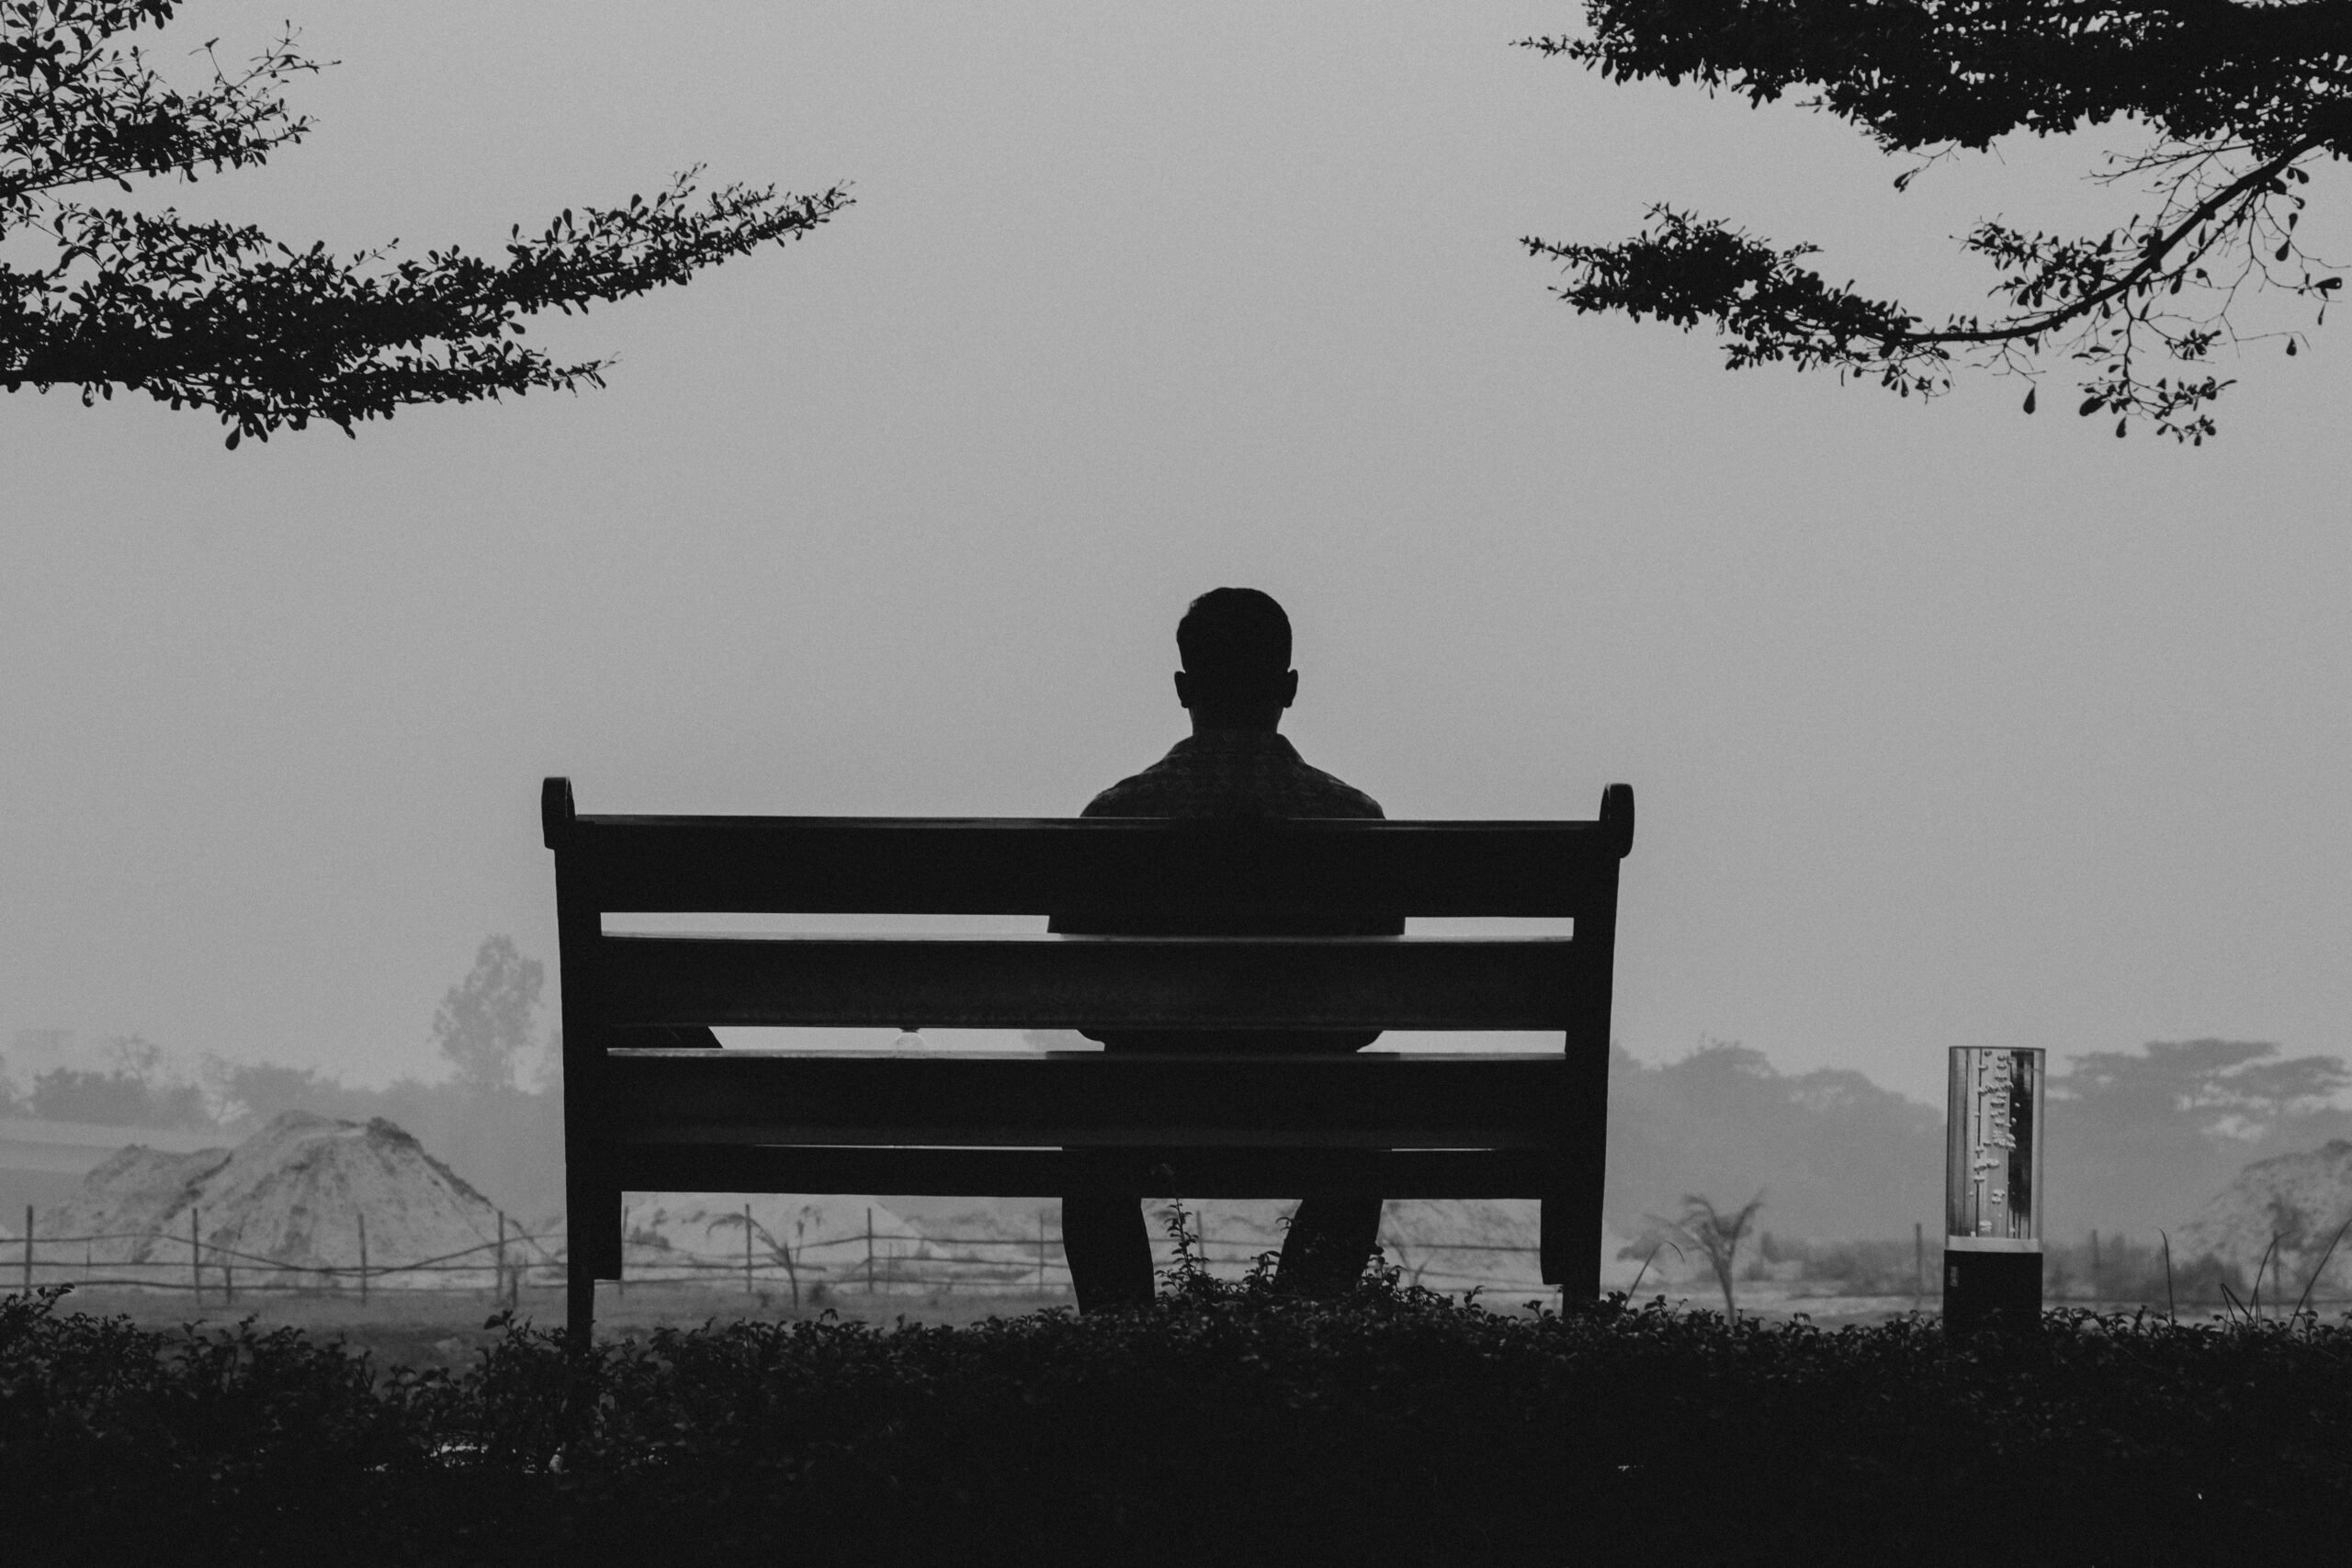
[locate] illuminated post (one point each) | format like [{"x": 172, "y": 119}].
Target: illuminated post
[{"x": 1992, "y": 1198}]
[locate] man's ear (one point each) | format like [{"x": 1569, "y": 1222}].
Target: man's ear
[
  {"x": 1289, "y": 687},
  {"x": 1183, "y": 690}
]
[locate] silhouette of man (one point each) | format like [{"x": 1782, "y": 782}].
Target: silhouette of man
[{"x": 1236, "y": 683}]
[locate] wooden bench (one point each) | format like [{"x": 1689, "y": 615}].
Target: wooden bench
[{"x": 644, "y": 1113}]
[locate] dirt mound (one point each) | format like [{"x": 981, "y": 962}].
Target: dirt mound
[
  {"x": 2301, "y": 1200},
  {"x": 133, "y": 1197},
  {"x": 292, "y": 1196}
]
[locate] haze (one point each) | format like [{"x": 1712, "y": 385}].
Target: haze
[{"x": 1949, "y": 726}]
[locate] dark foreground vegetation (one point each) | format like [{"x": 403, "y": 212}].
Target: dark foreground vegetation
[{"x": 1226, "y": 1424}]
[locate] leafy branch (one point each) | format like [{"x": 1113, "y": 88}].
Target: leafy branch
[
  {"x": 2243, "y": 100},
  {"x": 223, "y": 317}
]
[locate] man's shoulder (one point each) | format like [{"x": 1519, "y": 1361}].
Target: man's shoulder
[
  {"x": 1224, "y": 780},
  {"x": 1342, "y": 797},
  {"x": 1138, "y": 795}
]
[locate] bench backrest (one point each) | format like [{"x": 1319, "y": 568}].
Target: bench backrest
[{"x": 642, "y": 1114}]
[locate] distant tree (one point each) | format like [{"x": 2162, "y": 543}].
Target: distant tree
[
  {"x": 254, "y": 1092},
  {"x": 1715, "y": 1235},
  {"x": 548, "y": 1076},
  {"x": 77, "y": 1094},
  {"x": 1843, "y": 1156},
  {"x": 2197, "y": 1088},
  {"x": 2237, "y": 100},
  {"x": 2139, "y": 1140},
  {"x": 135, "y": 1054},
  {"x": 221, "y": 316},
  {"x": 116, "y": 1099},
  {"x": 487, "y": 1019}
]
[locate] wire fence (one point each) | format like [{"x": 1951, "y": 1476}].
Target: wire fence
[{"x": 870, "y": 1261}]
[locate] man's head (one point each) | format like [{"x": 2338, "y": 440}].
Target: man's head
[{"x": 1236, "y": 646}]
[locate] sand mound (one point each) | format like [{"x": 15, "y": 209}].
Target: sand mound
[
  {"x": 133, "y": 1197},
  {"x": 2302, "y": 1199},
  {"x": 292, "y": 1196}
]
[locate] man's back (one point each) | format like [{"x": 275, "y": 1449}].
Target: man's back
[{"x": 1236, "y": 684}]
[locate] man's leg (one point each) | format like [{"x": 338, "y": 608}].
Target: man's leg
[
  {"x": 1328, "y": 1243},
  {"x": 1109, "y": 1251},
  {"x": 1330, "y": 1238}
]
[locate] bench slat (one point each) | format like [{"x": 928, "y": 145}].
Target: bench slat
[
  {"x": 1049, "y": 1173},
  {"x": 999, "y": 866},
  {"x": 1088, "y": 1097},
  {"x": 1055, "y": 982}
]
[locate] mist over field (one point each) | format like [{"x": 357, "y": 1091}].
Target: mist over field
[{"x": 2138, "y": 1141}]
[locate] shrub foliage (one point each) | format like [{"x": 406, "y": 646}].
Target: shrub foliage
[{"x": 1225, "y": 1423}]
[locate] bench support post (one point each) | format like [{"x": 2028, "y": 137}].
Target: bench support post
[
  {"x": 579, "y": 1306},
  {"x": 592, "y": 1207},
  {"x": 1571, "y": 1228}
]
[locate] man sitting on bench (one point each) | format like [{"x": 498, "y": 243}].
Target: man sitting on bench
[{"x": 1236, "y": 679}]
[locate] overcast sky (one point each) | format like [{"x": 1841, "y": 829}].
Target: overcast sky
[{"x": 1948, "y": 725}]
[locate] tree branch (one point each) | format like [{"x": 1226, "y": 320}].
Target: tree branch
[{"x": 2147, "y": 268}]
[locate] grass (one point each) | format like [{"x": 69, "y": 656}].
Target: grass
[{"x": 1226, "y": 1423}]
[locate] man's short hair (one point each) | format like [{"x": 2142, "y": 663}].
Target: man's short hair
[{"x": 1234, "y": 634}]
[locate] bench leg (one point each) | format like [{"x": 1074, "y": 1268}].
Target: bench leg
[
  {"x": 580, "y": 1304},
  {"x": 1571, "y": 1225},
  {"x": 592, "y": 1225},
  {"x": 1571, "y": 1246}
]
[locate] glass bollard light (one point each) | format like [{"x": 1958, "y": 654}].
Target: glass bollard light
[{"x": 1993, "y": 1196}]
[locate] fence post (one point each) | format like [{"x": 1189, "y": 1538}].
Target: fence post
[
  {"x": 498, "y": 1282},
  {"x": 1918, "y": 1264},
  {"x": 747, "y": 1250},
  {"x": 29, "y": 1249},
  {"x": 1041, "y": 1250},
  {"x": 195, "y": 1256},
  {"x": 2095, "y": 1296},
  {"x": 869, "y": 1250},
  {"x": 363, "y": 1257}
]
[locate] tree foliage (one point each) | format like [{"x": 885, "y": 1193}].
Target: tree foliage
[
  {"x": 487, "y": 1021},
  {"x": 2198, "y": 1088},
  {"x": 221, "y": 316},
  {"x": 2238, "y": 101}
]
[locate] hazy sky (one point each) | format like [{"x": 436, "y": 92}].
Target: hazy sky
[{"x": 1948, "y": 725}]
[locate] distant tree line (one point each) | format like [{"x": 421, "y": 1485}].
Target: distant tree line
[
  {"x": 498, "y": 1119},
  {"x": 2136, "y": 1141}
]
